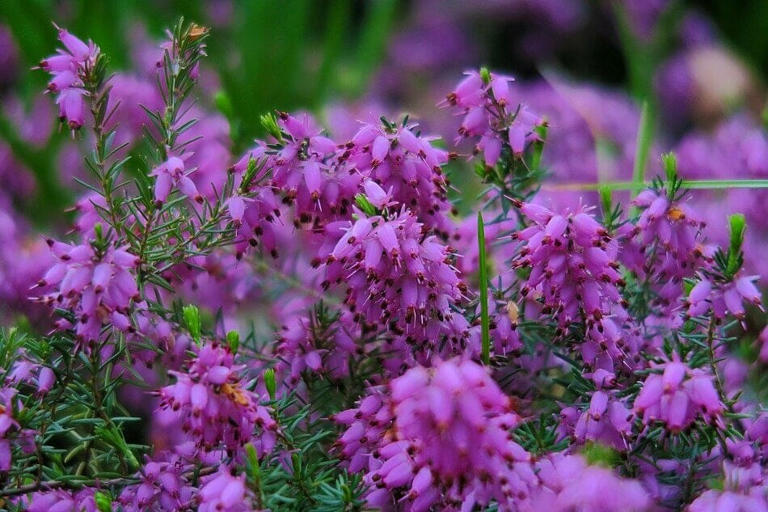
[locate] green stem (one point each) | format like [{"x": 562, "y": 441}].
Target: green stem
[
  {"x": 643, "y": 145},
  {"x": 484, "y": 318},
  {"x": 636, "y": 186}
]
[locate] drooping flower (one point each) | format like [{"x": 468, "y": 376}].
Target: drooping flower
[
  {"x": 572, "y": 262},
  {"x": 215, "y": 406},
  {"x": 438, "y": 437},
  {"x": 163, "y": 487},
  {"x": 491, "y": 114},
  {"x": 399, "y": 280},
  {"x": 305, "y": 345},
  {"x": 408, "y": 166},
  {"x": 225, "y": 492},
  {"x": 568, "y": 483},
  {"x": 305, "y": 171},
  {"x": 96, "y": 286},
  {"x": 723, "y": 299},
  {"x": 606, "y": 420},
  {"x": 669, "y": 241},
  {"x": 69, "y": 68},
  {"x": 171, "y": 174},
  {"x": 59, "y": 500},
  {"x": 678, "y": 396},
  {"x": 745, "y": 485}
]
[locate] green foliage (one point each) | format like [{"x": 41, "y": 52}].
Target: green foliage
[
  {"x": 81, "y": 427},
  {"x": 308, "y": 479}
]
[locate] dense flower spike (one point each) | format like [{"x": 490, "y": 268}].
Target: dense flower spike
[
  {"x": 69, "y": 68},
  {"x": 399, "y": 279},
  {"x": 96, "y": 284},
  {"x": 678, "y": 396},
  {"x": 573, "y": 271},
  {"x": 438, "y": 437},
  {"x": 490, "y": 113},
  {"x": 406, "y": 166},
  {"x": 305, "y": 171},
  {"x": 668, "y": 236},
  {"x": 214, "y": 405}
]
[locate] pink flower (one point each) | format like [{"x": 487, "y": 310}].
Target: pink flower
[
  {"x": 606, "y": 420},
  {"x": 171, "y": 174},
  {"x": 678, "y": 397},
  {"x": 215, "y": 406},
  {"x": 568, "y": 484},
  {"x": 490, "y": 114},
  {"x": 744, "y": 488},
  {"x": 60, "y": 500},
  {"x": 69, "y": 69},
  {"x": 163, "y": 487},
  {"x": 224, "y": 492},
  {"x": 97, "y": 287},
  {"x": 435, "y": 428},
  {"x": 405, "y": 165},
  {"x": 723, "y": 299},
  {"x": 400, "y": 280},
  {"x": 668, "y": 236}
]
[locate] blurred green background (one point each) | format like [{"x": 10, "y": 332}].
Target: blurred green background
[{"x": 291, "y": 54}]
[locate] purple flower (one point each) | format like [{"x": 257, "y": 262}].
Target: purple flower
[
  {"x": 98, "y": 287},
  {"x": 572, "y": 262},
  {"x": 399, "y": 280},
  {"x": 668, "y": 242},
  {"x": 69, "y": 69},
  {"x": 745, "y": 486},
  {"x": 737, "y": 147},
  {"x": 224, "y": 492},
  {"x": 678, "y": 396},
  {"x": 163, "y": 487},
  {"x": 569, "y": 484},
  {"x": 407, "y": 166},
  {"x": 606, "y": 420},
  {"x": 305, "y": 170},
  {"x": 215, "y": 406},
  {"x": 438, "y": 436},
  {"x": 490, "y": 113},
  {"x": 723, "y": 299},
  {"x": 304, "y": 349},
  {"x": 60, "y": 500},
  {"x": 171, "y": 174}
]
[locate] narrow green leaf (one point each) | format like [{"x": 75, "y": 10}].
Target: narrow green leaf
[
  {"x": 642, "y": 146},
  {"x": 637, "y": 186},
  {"x": 484, "y": 318}
]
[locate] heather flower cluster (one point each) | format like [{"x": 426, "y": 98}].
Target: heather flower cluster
[
  {"x": 69, "y": 69},
  {"x": 246, "y": 308},
  {"x": 399, "y": 281},
  {"x": 677, "y": 397},
  {"x": 214, "y": 406},
  {"x": 98, "y": 286},
  {"x": 438, "y": 437}
]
